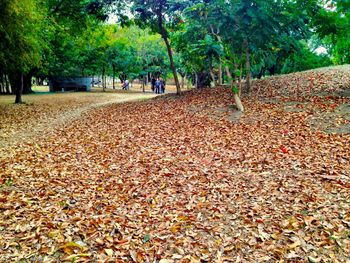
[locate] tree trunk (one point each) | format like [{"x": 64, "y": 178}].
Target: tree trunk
[
  {"x": 19, "y": 89},
  {"x": 2, "y": 84},
  {"x": 203, "y": 79},
  {"x": 261, "y": 73},
  {"x": 236, "y": 98},
  {"x": 113, "y": 77},
  {"x": 164, "y": 35},
  {"x": 240, "y": 81},
  {"x": 247, "y": 65},
  {"x": 41, "y": 81},
  {"x": 220, "y": 73},
  {"x": 188, "y": 83},
  {"x": 7, "y": 85},
  {"x": 27, "y": 83},
  {"x": 272, "y": 70},
  {"x": 222, "y": 46},
  {"x": 103, "y": 79},
  {"x": 182, "y": 82},
  {"x": 122, "y": 77},
  {"x": 172, "y": 65},
  {"x": 238, "y": 102},
  {"x": 143, "y": 83},
  {"x": 196, "y": 80},
  {"x": 229, "y": 75},
  {"x": 212, "y": 75}
]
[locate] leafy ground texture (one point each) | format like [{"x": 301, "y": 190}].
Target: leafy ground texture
[
  {"x": 43, "y": 111},
  {"x": 187, "y": 179}
]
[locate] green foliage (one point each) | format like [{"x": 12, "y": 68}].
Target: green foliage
[
  {"x": 234, "y": 90},
  {"x": 105, "y": 48},
  {"x": 214, "y": 32},
  {"x": 332, "y": 24},
  {"x": 237, "y": 73},
  {"x": 305, "y": 59},
  {"x": 20, "y": 34},
  {"x": 69, "y": 38}
]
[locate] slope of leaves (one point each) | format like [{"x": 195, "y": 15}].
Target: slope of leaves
[
  {"x": 156, "y": 181},
  {"x": 322, "y": 94},
  {"x": 323, "y": 81}
]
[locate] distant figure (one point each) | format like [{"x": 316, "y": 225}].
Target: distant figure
[
  {"x": 158, "y": 86},
  {"x": 153, "y": 84},
  {"x": 126, "y": 85},
  {"x": 162, "y": 84}
]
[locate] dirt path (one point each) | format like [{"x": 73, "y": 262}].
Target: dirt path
[{"x": 42, "y": 118}]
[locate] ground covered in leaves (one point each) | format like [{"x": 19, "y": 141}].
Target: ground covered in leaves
[
  {"x": 187, "y": 179},
  {"x": 44, "y": 111}
]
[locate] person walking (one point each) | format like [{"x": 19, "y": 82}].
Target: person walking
[
  {"x": 162, "y": 86},
  {"x": 153, "y": 84},
  {"x": 158, "y": 86},
  {"x": 126, "y": 85}
]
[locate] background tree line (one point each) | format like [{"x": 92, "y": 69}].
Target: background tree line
[{"x": 210, "y": 42}]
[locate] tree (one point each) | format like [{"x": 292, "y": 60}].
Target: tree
[
  {"x": 38, "y": 38},
  {"x": 156, "y": 15},
  {"x": 304, "y": 59},
  {"x": 332, "y": 23},
  {"x": 69, "y": 31},
  {"x": 251, "y": 32},
  {"x": 21, "y": 42}
]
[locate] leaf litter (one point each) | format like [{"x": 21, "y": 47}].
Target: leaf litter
[{"x": 156, "y": 181}]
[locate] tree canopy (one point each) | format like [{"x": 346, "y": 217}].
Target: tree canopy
[{"x": 209, "y": 41}]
